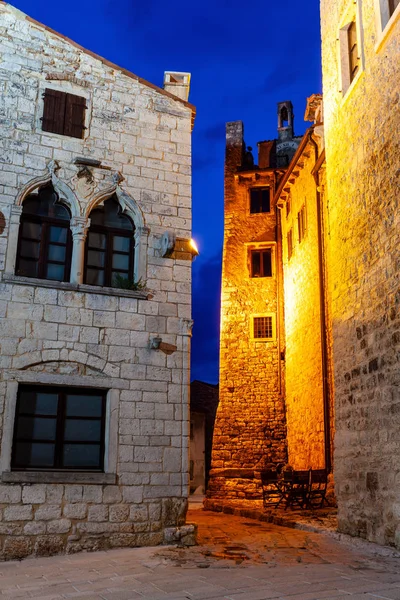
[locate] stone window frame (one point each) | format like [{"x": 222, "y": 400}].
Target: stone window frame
[
  {"x": 251, "y": 326},
  {"x": 249, "y": 247},
  {"x": 351, "y": 15},
  {"x": 110, "y": 438},
  {"x": 384, "y": 21},
  {"x": 79, "y": 225},
  {"x": 67, "y": 87}
]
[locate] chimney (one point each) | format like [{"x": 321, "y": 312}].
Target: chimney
[{"x": 177, "y": 83}]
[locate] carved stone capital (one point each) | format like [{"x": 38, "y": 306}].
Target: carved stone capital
[
  {"x": 16, "y": 211},
  {"x": 79, "y": 227},
  {"x": 185, "y": 327}
]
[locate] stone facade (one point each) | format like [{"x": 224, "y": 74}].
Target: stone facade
[
  {"x": 135, "y": 345},
  {"x": 362, "y": 129},
  {"x": 250, "y": 428}
]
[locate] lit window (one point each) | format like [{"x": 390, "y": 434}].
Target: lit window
[
  {"x": 63, "y": 113},
  {"x": 260, "y": 200},
  {"x": 59, "y": 428},
  {"x": 263, "y": 327},
  {"x": 290, "y": 243},
  {"x": 301, "y": 223},
  {"x": 261, "y": 262},
  {"x": 110, "y": 247},
  {"x": 45, "y": 240}
]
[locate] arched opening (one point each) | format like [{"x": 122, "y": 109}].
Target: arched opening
[
  {"x": 45, "y": 240},
  {"x": 110, "y": 247}
]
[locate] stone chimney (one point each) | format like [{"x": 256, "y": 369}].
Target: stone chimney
[{"x": 177, "y": 83}]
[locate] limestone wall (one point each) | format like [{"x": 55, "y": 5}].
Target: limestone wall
[
  {"x": 362, "y": 145},
  {"x": 71, "y": 334},
  {"x": 303, "y": 352},
  {"x": 250, "y": 426}
]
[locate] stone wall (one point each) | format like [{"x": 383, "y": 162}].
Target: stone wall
[
  {"x": 250, "y": 426},
  {"x": 72, "y": 334},
  {"x": 362, "y": 145},
  {"x": 304, "y": 377}
]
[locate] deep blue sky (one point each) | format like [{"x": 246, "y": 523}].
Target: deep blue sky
[{"x": 244, "y": 58}]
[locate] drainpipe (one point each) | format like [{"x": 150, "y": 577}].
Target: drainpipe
[{"x": 323, "y": 319}]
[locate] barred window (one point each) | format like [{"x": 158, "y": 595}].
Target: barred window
[{"x": 263, "y": 327}]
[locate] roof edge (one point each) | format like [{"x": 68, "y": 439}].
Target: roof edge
[
  {"x": 103, "y": 60},
  {"x": 294, "y": 160}
]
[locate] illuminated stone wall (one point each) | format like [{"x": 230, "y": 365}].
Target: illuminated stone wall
[
  {"x": 304, "y": 376},
  {"x": 250, "y": 427},
  {"x": 362, "y": 144}
]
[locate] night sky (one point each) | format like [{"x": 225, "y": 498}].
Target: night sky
[{"x": 244, "y": 58}]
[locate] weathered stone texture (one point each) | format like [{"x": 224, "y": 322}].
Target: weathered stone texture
[
  {"x": 64, "y": 334},
  {"x": 250, "y": 425},
  {"x": 303, "y": 364},
  {"x": 362, "y": 144}
]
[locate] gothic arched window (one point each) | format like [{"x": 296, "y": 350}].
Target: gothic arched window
[
  {"x": 45, "y": 240},
  {"x": 110, "y": 247}
]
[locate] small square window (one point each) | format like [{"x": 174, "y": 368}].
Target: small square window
[
  {"x": 261, "y": 262},
  {"x": 260, "y": 200},
  {"x": 59, "y": 428},
  {"x": 263, "y": 327}
]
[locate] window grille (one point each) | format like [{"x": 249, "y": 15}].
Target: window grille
[{"x": 263, "y": 327}]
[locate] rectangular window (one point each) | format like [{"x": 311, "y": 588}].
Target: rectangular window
[
  {"x": 59, "y": 429},
  {"x": 288, "y": 207},
  {"x": 290, "y": 243},
  {"x": 263, "y": 327},
  {"x": 261, "y": 262},
  {"x": 63, "y": 113},
  {"x": 352, "y": 50},
  {"x": 301, "y": 223},
  {"x": 260, "y": 200}
]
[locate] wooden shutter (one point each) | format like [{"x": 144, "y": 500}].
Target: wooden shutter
[
  {"x": 53, "y": 111},
  {"x": 74, "y": 124}
]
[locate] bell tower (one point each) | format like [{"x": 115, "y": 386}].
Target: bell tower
[{"x": 285, "y": 121}]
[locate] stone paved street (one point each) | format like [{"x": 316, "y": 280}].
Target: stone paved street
[{"x": 237, "y": 559}]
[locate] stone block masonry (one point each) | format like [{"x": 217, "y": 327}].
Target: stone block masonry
[
  {"x": 362, "y": 156},
  {"x": 69, "y": 335}
]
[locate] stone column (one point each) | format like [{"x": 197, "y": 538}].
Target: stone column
[
  {"x": 79, "y": 227},
  {"x": 12, "y": 242},
  {"x": 141, "y": 240}
]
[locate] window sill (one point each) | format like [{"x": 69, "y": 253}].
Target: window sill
[
  {"x": 384, "y": 34},
  {"x": 58, "y": 477},
  {"x": 77, "y": 287},
  {"x": 349, "y": 91}
]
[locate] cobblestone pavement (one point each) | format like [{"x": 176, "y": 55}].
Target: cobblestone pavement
[{"x": 237, "y": 559}]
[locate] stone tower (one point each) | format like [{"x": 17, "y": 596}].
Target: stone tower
[{"x": 250, "y": 429}]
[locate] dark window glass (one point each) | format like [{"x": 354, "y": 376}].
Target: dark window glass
[
  {"x": 109, "y": 246},
  {"x": 301, "y": 223},
  {"x": 45, "y": 240},
  {"x": 260, "y": 200},
  {"x": 261, "y": 263},
  {"x": 59, "y": 428}
]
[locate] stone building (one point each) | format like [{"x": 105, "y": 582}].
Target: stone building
[
  {"x": 95, "y": 297},
  {"x": 250, "y": 429},
  {"x": 323, "y": 388},
  {"x": 361, "y": 73}
]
